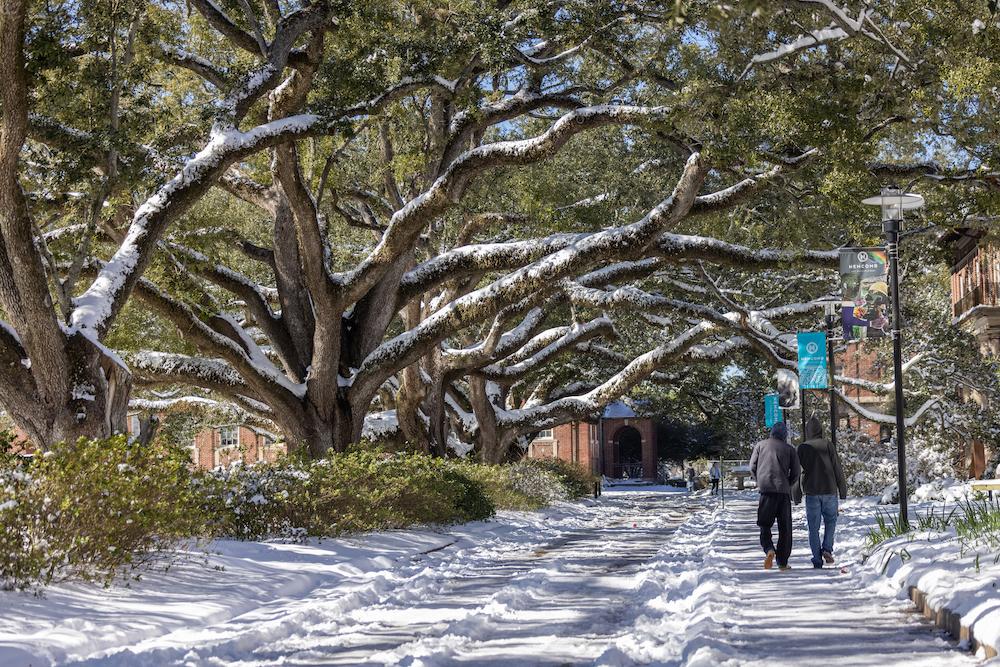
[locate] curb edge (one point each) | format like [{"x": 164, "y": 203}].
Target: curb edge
[{"x": 949, "y": 621}]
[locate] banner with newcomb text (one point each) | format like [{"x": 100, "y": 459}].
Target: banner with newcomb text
[
  {"x": 812, "y": 360},
  {"x": 864, "y": 283}
]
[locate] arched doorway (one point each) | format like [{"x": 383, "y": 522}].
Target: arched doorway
[{"x": 628, "y": 453}]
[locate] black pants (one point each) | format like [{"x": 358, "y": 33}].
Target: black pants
[
  {"x": 776, "y": 506},
  {"x": 715, "y": 487}
]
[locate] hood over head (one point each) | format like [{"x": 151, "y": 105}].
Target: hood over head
[
  {"x": 814, "y": 429},
  {"x": 780, "y": 432}
]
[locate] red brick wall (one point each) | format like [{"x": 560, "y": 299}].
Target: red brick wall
[
  {"x": 647, "y": 433},
  {"x": 860, "y": 361},
  {"x": 575, "y": 442}
]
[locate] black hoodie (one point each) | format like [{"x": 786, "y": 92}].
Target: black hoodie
[{"x": 821, "y": 472}]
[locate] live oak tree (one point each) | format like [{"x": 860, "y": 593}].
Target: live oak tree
[
  {"x": 439, "y": 316},
  {"x": 422, "y": 207}
]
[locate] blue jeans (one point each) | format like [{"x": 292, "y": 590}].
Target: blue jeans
[{"x": 821, "y": 508}]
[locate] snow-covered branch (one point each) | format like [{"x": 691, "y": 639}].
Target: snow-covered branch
[
  {"x": 407, "y": 223},
  {"x": 881, "y": 418},
  {"x": 575, "y": 334}
]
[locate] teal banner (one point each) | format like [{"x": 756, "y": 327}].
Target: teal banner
[
  {"x": 812, "y": 360},
  {"x": 772, "y": 413}
]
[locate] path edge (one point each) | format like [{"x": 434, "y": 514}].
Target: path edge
[{"x": 950, "y": 622}]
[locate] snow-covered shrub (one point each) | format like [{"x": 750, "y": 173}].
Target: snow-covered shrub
[
  {"x": 535, "y": 482},
  {"x": 252, "y": 501},
  {"x": 94, "y": 509},
  {"x": 348, "y": 492},
  {"x": 945, "y": 489},
  {"x": 514, "y": 487},
  {"x": 577, "y": 481},
  {"x": 870, "y": 466}
]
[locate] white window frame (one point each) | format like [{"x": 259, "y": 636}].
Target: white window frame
[
  {"x": 222, "y": 438},
  {"x": 545, "y": 434}
]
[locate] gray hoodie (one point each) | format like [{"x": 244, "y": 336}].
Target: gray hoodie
[
  {"x": 821, "y": 471},
  {"x": 774, "y": 464}
]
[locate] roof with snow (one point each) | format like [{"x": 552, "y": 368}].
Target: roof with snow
[{"x": 618, "y": 410}]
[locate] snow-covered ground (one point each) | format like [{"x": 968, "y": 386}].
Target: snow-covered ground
[
  {"x": 963, "y": 578},
  {"x": 638, "y": 576},
  {"x": 708, "y": 601}
]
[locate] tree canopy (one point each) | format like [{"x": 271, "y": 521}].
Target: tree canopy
[{"x": 473, "y": 220}]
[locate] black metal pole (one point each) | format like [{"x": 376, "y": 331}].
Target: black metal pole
[
  {"x": 802, "y": 404},
  {"x": 831, "y": 372},
  {"x": 891, "y": 229}
]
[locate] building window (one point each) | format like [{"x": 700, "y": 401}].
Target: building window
[
  {"x": 229, "y": 436},
  {"x": 544, "y": 434}
]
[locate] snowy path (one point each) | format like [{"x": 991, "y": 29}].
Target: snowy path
[
  {"x": 809, "y": 616},
  {"x": 537, "y": 594},
  {"x": 632, "y": 578},
  {"x": 733, "y": 612}
]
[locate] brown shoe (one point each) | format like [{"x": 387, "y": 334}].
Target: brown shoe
[
  {"x": 783, "y": 568},
  {"x": 769, "y": 560},
  {"x": 828, "y": 557}
]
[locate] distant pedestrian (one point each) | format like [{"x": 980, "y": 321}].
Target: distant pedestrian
[
  {"x": 775, "y": 467},
  {"x": 714, "y": 475},
  {"x": 821, "y": 482},
  {"x": 691, "y": 477}
]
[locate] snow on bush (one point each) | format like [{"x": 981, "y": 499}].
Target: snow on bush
[
  {"x": 93, "y": 510},
  {"x": 870, "y": 467},
  {"x": 576, "y": 481},
  {"x": 351, "y": 492},
  {"x": 534, "y": 481}
]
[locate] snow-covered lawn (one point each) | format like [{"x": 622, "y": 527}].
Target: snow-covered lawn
[
  {"x": 961, "y": 578},
  {"x": 638, "y": 576},
  {"x": 254, "y": 601}
]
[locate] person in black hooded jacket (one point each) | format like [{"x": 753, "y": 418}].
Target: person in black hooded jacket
[
  {"x": 775, "y": 467},
  {"x": 821, "y": 482}
]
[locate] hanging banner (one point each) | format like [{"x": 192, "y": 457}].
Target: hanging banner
[
  {"x": 864, "y": 283},
  {"x": 788, "y": 389},
  {"x": 812, "y": 360},
  {"x": 772, "y": 413}
]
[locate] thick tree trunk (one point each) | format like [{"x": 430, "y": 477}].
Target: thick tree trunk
[
  {"x": 439, "y": 427},
  {"x": 316, "y": 431},
  {"x": 95, "y": 407},
  {"x": 490, "y": 440},
  {"x": 408, "y": 402}
]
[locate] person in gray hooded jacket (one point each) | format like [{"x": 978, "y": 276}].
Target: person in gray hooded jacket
[
  {"x": 821, "y": 482},
  {"x": 774, "y": 465}
]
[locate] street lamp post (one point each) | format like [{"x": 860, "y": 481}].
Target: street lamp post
[
  {"x": 831, "y": 322},
  {"x": 893, "y": 202}
]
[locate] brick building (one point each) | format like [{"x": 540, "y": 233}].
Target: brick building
[
  {"x": 860, "y": 360},
  {"x": 618, "y": 444},
  {"x": 975, "y": 287},
  {"x": 975, "y": 306},
  {"x": 225, "y": 444},
  {"x": 219, "y": 445}
]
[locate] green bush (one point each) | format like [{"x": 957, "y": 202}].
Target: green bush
[
  {"x": 93, "y": 510},
  {"x": 515, "y": 486},
  {"x": 575, "y": 479},
  {"x": 344, "y": 493},
  {"x": 99, "y": 509}
]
